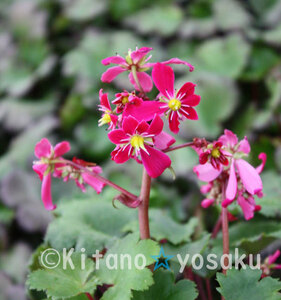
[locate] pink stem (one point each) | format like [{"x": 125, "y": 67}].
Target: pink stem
[
  {"x": 89, "y": 296},
  {"x": 143, "y": 207},
  {"x": 225, "y": 237},
  {"x": 179, "y": 147},
  {"x": 102, "y": 179},
  {"x": 209, "y": 290},
  {"x": 200, "y": 287}
]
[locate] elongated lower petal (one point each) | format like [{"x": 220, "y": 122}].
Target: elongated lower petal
[
  {"x": 95, "y": 183},
  {"x": 46, "y": 193},
  {"x": 231, "y": 188},
  {"x": 178, "y": 61},
  {"x": 155, "y": 161},
  {"x": 263, "y": 158},
  {"x": 247, "y": 207},
  {"x": 249, "y": 176}
]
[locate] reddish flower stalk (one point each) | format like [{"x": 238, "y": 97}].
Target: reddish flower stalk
[
  {"x": 225, "y": 237},
  {"x": 89, "y": 296},
  {"x": 102, "y": 179},
  {"x": 209, "y": 289},
  {"x": 143, "y": 208},
  {"x": 190, "y": 144}
]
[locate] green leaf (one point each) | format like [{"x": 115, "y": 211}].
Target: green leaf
[
  {"x": 262, "y": 60},
  {"x": 162, "y": 226},
  {"x": 270, "y": 202},
  {"x": 162, "y": 20},
  {"x": 89, "y": 224},
  {"x": 219, "y": 97},
  {"x": 224, "y": 56},
  {"x": 65, "y": 282},
  {"x": 227, "y": 12},
  {"x": 246, "y": 284},
  {"x": 127, "y": 279},
  {"x": 84, "y": 9},
  {"x": 253, "y": 235},
  {"x": 164, "y": 288}
]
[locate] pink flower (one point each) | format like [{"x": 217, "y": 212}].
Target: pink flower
[
  {"x": 82, "y": 178},
  {"x": 135, "y": 58},
  {"x": 125, "y": 98},
  {"x": 177, "y": 105},
  {"x": 269, "y": 264},
  {"x": 215, "y": 155},
  {"x": 138, "y": 139},
  {"x": 240, "y": 178},
  {"x": 139, "y": 61},
  {"x": 49, "y": 161},
  {"x": 108, "y": 117}
]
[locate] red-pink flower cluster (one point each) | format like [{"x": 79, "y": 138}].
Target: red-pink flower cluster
[
  {"x": 269, "y": 264},
  {"x": 234, "y": 180},
  {"x": 135, "y": 124},
  {"x": 51, "y": 163}
]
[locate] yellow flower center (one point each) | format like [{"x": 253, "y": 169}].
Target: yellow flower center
[
  {"x": 125, "y": 100},
  {"x": 105, "y": 119},
  {"x": 215, "y": 153},
  {"x": 174, "y": 104},
  {"x": 137, "y": 141}
]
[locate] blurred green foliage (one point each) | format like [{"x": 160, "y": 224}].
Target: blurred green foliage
[{"x": 50, "y": 68}]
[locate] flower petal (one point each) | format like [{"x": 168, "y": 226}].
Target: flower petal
[
  {"x": 207, "y": 202},
  {"x": 121, "y": 155},
  {"x": 249, "y": 176},
  {"x": 144, "y": 80},
  {"x": 129, "y": 125},
  {"x": 186, "y": 90},
  {"x": 192, "y": 100},
  {"x": 117, "y": 136},
  {"x": 46, "y": 193},
  {"x": 174, "y": 122},
  {"x": 94, "y": 182},
  {"x": 43, "y": 148},
  {"x": 163, "y": 77},
  {"x": 113, "y": 60},
  {"x": 247, "y": 207},
  {"x": 138, "y": 54},
  {"x": 231, "y": 189},
  {"x": 104, "y": 100},
  {"x": 156, "y": 126},
  {"x": 272, "y": 258},
  {"x": 61, "y": 148},
  {"x": 143, "y": 111},
  {"x": 229, "y": 138},
  {"x": 40, "y": 169},
  {"x": 111, "y": 73},
  {"x": 163, "y": 140},
  {"x": 244, "y": 146},
  {"x": 178, "y": 61},
  {"x": 206, "y": 172},
  {"x": 155, "y": 161},
  {"x": 263, "y": 158},
  {"x": 189, "y": 112}
]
